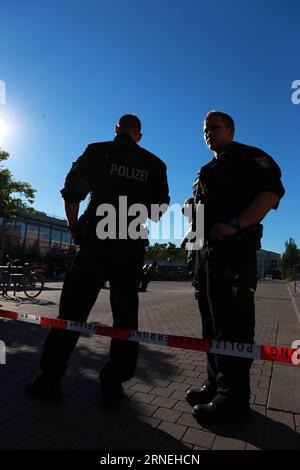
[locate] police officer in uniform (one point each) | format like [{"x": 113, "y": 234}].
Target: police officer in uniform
[
  {"x": 106, "y": 171},
  {"x": 238, "y": 187}
]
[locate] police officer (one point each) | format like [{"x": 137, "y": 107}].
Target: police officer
[
  {"x": 238, "y": 187},
  {"x": 106, "y": 171}
]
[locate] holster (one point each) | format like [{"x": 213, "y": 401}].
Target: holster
[
  {"x": 250, "y": 236},
  {"x": 82, "y": 230}
]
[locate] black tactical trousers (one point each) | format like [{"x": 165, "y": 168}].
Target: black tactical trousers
[
  {"x": 120, "y": 262},
  {"x": 227, "y": 277}
]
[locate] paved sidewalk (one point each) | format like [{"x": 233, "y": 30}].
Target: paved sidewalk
[
  {"x": 294, "y": 291},
  {"x": 154, "y": 414}
]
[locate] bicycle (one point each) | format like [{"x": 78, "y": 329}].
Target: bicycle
[{"x": 30, "y": 282}]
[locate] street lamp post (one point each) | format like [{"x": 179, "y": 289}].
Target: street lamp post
[{"x": 295, "y": 276}]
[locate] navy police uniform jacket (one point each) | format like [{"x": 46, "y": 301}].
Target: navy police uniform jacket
[
  {"x": 107, "y": 170},
  {"x": 227, "y": 185}
]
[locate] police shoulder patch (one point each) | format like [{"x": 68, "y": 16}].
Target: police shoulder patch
[{"x": 263, "y": 163}]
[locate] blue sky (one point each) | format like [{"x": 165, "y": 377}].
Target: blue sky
[{"x": 71, "y": 68}]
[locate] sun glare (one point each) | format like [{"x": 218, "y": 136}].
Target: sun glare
[{"x": 4, "y": 128}]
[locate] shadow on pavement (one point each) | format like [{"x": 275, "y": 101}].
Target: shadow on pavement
[
  {"x": 26, "y": 300},
  {"x": 77, "y": 422},
  {"x": 260, "y": 431}
]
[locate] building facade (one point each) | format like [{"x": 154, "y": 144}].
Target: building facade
[
  {"x": 39, "y": 238},
  {"x": 268, "y": 263}
]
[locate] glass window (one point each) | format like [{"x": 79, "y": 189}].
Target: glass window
[
  {"x": 44, "y": 240},
  {"x": 55, "y": 237},
  {"x": 20, "y": 231},
  {"x": 45, "y": 234},
  {"x": 9, "y": 228},
  {"x": 32, "y": 235},
  {"x": 65, "y": 239},
  {"x": 8, "y": 236},
  {"x": 18, "y": 239}
]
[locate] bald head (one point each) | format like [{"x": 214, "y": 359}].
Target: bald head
[{"x": 130, "y": 124}]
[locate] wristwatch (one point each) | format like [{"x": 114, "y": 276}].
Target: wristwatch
[{"x": 234, "y": 223}]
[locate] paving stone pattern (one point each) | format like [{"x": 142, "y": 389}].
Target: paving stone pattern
[{"x": 154, "y": 414}]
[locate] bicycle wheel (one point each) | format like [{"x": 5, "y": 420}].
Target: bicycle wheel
[{"x": 33, "y": 285}]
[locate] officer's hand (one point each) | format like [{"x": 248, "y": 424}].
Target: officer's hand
[
  {"x": 75, "y": 233},
  {"x": 183, "y": 243},
  {"x": 75, "y": 237},
  {"x": 188, "y": 207},
  {"x": 219, "y": 231}
]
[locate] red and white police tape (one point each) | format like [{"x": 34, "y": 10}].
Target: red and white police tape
[{"x": 227, "y": 348}]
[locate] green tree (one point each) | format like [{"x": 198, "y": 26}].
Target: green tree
[
  {"x": 156, "y": 252},
  {"x": 165, "y": 251},
  {"x": 13, "y": 196},
  {"x": 290, "y": 257},
  {"x": 12, "y": 193}
]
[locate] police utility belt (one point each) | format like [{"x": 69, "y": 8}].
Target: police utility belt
[{"x": 248, "y": 237}]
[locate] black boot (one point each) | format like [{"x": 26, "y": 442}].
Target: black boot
[
  {"x": 203, "y": 394},
  {"x": 45, "y": 387},
  {"x": 111, "y": 396},
  {"x": 222, "y": 409}
]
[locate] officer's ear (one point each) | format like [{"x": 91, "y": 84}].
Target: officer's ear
[
  {"x": 139, "y": 136},
  {"x": 231, "y": 132},
  {"x": 117, "y": 129}
]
